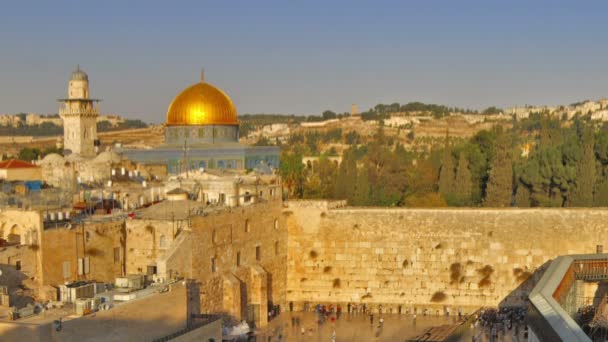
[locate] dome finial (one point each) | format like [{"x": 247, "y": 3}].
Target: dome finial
[{"x": 202, "y": 75}]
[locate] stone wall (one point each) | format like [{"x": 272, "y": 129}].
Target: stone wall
[
  {"x": 19, "y": 268},
  {"x": 148, "y": 240},
  {"x": 429, "y": 258},
  {"x": 177, "y": 260},
  {"x": 100, "y": 244},
  {"x": 247, "y": 245}
]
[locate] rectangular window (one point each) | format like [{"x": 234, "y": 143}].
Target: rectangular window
[
  {"x": 258, "y": 253},
  {"x": 18, "y": 265},
  {"x": 213, "y": 265},
  {"x": 87, "y": 265},
  {"x": 80, "y": 266},
  {"x": 66, "y": 270},
  {"x": 238, "y": 259},
  {"x": 276, "y": 248},
  {"x": 116, "y": 255}
]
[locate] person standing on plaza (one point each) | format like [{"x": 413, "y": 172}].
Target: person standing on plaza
[{"x": 371, "y": 318}]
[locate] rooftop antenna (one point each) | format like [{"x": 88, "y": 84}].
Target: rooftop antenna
[{"x": 202, "y": 75}]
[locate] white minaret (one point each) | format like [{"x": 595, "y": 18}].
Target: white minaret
[{"x": 79, "y": 115}]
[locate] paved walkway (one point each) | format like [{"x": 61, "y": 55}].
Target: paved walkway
[{"x": 350, "y": 327}]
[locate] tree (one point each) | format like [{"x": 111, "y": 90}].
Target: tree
[
  {"x": 328, "y": 114},
  {"x": 29, "y": 154},
  {"x": 463, "y": 184},
  {"x": 522, "y": 196},
  {"x": 291, "y": 170},
  {"x": 582, "y": 193},
  {"x": 446, "y": 174},
  {"x": 600, "y": 198},
  {"x": 492, "y": 110},
  {"x": 499, "y": 190},
  {"x": 362, "y": 188},
  {"x": 347, "y": 176},
  {"x": 262, "y": 141}
]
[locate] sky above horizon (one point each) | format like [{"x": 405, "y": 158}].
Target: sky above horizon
[{"x": 302, "y": 57}]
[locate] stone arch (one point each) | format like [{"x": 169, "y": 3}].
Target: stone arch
[{"x": 14, "y": 235}]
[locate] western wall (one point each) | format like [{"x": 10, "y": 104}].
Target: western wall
[{"x": 428, "y": 258}]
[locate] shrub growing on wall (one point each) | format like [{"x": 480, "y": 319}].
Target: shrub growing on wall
[{"x": 438, "y": 297}]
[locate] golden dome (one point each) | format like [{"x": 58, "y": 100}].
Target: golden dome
[{"x": 201, "y": 104}]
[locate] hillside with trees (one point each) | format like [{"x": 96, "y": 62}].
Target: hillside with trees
[{"x": 542, "y": 161}]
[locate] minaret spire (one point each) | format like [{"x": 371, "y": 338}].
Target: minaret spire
[{"x": 202, "y": 75}]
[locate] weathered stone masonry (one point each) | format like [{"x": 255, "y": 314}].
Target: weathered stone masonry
[{"x": 429, "y": 258}]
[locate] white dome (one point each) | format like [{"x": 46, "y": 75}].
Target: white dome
[
  {"x": 52, "y": 158},
  {"x": 107, "y": 157}
]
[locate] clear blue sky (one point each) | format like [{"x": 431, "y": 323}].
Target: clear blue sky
[{"x": 304, "y": 56}]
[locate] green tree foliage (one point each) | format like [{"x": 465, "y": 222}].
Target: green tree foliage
[
  {"x": 44, "y": 129},
  {"x": 499, "y": 189},
  {"x": 582, "y": 192},
  {"x": 262, "y": 141},
  {"x": 463, "y": 184},
  {"x": 292, "y": 174},
  {"x": 446, "y": 175},
  {"x": 492, "y": 110},
  {"x": 361, "y": 194},
  {"x": 321, "y": 184},
  {"x": 567, "y": 166},
  {"x": 328, "y": 115},
  {"x": 522, "y": 196},
  {"x": 31, "y": 154},
  {"x": 352, "y": 138},
  {"x": 347, "y": 176}
]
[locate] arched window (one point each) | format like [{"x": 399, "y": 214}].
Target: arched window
[
  {"x": 247, "y": 226},
  {"x": 14, "y": 236},
  {"x": 213, "y": 237},
  {"x": 162, "y": 241},
  {"x": 276, "y": 224}
]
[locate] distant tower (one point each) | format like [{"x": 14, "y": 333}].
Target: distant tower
[
  {"x": 353, "y": 110},
  {"x": 79, "y": 115}
]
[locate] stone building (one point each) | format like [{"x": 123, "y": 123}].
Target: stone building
[
  {"x": 79, "y": 114},
  {"x": 43, "y": 248},
  {"x": 19, "y": 170},
  {"x": 202, "y": 132}
]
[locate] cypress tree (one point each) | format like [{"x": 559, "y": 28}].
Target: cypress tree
[
  {"x": 362, "y": 187},
  {"x": 341, "y": 185},
  {"x": 522, "y": 196},
  {"x": 463, "y": 184},
  {"x": 499, "y": 189},
  {"x": 582, "y": 194},
  {"x": 446, "y": 174}
]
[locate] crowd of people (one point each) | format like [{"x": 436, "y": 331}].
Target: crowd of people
[{"x": 494, "y": 323}]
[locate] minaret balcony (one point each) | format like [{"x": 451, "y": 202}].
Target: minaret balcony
[{"x": 79, "y": 111}]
